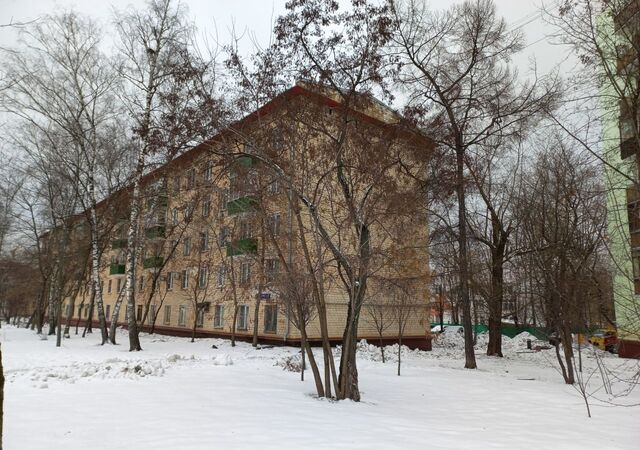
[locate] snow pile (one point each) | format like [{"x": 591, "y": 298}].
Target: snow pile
[
  {"x": 110, "y": 369},
  {"x": 448, "y": 341},
  {"x": 519, "y": 342},
  {"x": 372, "y": 352}
]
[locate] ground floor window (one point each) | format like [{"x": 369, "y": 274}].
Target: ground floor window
[
  {"x": 107, "y": 312},
  {"x": 270, "y": 318},
  {"x": 152, "y": 314},
  {"x": 167, "y": 314},
  {"x": 218, "y": 316},
  {"x": 182, "y": 316},
  {"x": 243, "y": 317},
  {"x": 200, "y": 318}
]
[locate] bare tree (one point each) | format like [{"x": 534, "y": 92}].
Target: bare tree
[
  {"x": 456, "y": 67},
  {"x": 564, "y": 216}
]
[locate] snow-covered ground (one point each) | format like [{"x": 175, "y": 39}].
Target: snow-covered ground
[{"x": 181, "y": 395}]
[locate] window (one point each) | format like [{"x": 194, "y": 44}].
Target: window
[
  {"x": 119, "y": 285},
  {"x": 86, "y": 311},
  {"x": 176, "y": 184},
  {"x": 218, "y": 316},
  {"x": 167, "y": 314},
  {"x": 202, "y": 277},
  {"x": 152, "y": 314},
  {"x": 191, "y": 178},
  {"x": 206, "y": 206},
  {"x": 141, "y": 283},
  {"x": 107, "y": 312},
  {"x": 208, "y": 170},
  {"x": 271, "y": 270},
  {"x": 221, "y": 275},
  {"x": 188, "y": 211},
  {"x": 245, "y": 273},
  {"x": 186, "y": 246},
  {"x": 79, "y": 311},
  {"x": 274, "y": 187},
  {"x": 243, "y": 317},
  {"x": 200, "y": 318},
  {"x": 139, "y": 313},
  {"x": 274, "y": 224},
  {"x": 109, "y": 287},
  {"x": 223, "y": 236},
  {"x": 270, "y": 318},
  {"x": 245, "y": 229},
  {"x": 185, "y": 279},
  {"x": 174, "y": 217},
  {"x": 169, "y": 281},
  {"x": 204, "y": 241},
  {"x": 224, "y": 198},
  {"x": 182, "y": 316}
]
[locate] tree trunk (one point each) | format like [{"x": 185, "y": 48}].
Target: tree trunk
[
  {"x": 52, "y": 307},
  {"x": 469, "y": 354},
  {"x": 114, "y": 318},
  {"x": 233, "y": 325},
  {"x": 87, "y": 326},
  {"x": 312, "y": 362},
  {"x": 95, "y": 267},
  {"x": 399, "y": 347}
]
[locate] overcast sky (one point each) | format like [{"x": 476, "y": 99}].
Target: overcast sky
[{"x": 255, "y": 17}]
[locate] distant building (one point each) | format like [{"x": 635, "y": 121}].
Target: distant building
[{"x": 621, "y": 145}]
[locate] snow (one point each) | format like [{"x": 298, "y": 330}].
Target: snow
[{"x": 181, "y": 395}]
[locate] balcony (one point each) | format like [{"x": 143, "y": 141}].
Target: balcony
[
  {"x": 154, "y": 262},
  {"x": 155, "y": 232},
  {"x": 242, "y": 247},
  {"x": 243, "y": 163},
  {"x": 118, "y": 244},
  {"x": 116, "y": 269},
  {"x": 242, "y": 204}
]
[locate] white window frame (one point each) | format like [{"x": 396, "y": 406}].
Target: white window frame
[
  {"x": 245, "y": 273},
  {"x": 174, "y": 217},
  {"x": 243, "y": 317},
  {"x": 169, "y": 281},
  {"x": 167, "y": 315},
  {"x": 186, "y": 246},
  {"x": 206, "y": 207},
  {"x": 218, "y": 316},
  {"x": 275, "y": 224},
  {"x": 221, "y": 275},
  {"x": 182, "y": 316},
  {"x": 203, "y": 275},
  {"x": 274, "y": 308},
  {"x": 185, "y": 279}
]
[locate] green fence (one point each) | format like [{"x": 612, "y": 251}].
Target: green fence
[{"x": 508, "y": 330}]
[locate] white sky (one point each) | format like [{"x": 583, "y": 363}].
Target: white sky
[{"x": 255, "y": 17}]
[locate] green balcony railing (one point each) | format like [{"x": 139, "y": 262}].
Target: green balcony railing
[
  {"x": 241, "y": 204},
  {"x": 153, "y": 262},
  {"x": 242, "y": 247},
  {"x": 116, "y": 269},
  {"x": 155, "y": 232},
  {"x": 163, "y": 201},
  {"x": 118, "y": 243}
]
